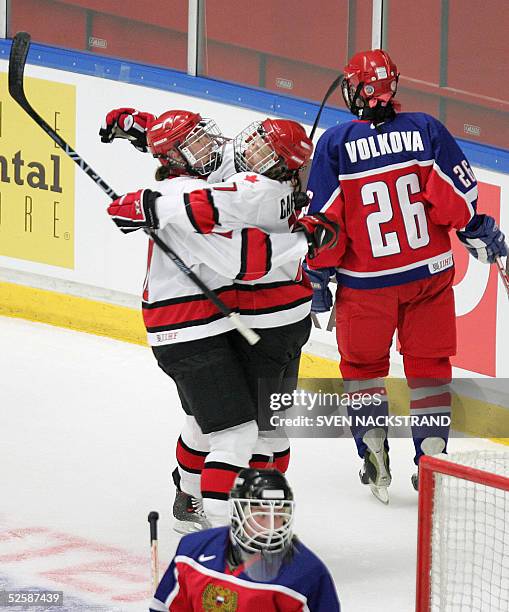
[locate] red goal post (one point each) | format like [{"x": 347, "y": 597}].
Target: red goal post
[{"x": 463, "y": 533}]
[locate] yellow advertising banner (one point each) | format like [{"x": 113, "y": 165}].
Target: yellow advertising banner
[{"x": 36, "y": 176}]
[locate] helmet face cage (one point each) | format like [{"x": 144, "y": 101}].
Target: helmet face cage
[
  {"x": 253, "y": 150},
  {"x": 351, "y": 95},
  {"x": 202, "y": 147},
  {"x": 264, "y": 525}
]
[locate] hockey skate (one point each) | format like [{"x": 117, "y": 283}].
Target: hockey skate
[
  {"x": 376, "y": 471},
  {"x": 187, "y": 511},
  {"x": 430, "y": 446}
]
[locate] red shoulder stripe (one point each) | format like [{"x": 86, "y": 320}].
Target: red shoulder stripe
[
  {"x": 201, "y": 211},
  {"x": 256, "y": 254}
]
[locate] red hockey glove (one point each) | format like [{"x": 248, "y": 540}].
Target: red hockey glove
[
  {"x": 127, "y": 123},
  {"x": 321, "y": 232},
  {"x": 135, "y": 210}
]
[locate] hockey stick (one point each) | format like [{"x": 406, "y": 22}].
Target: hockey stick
[
  {"x": 17, "y": 61},
  {"x": 503, "y": 272},
  {"x": 304, "y": 172},
  {"x": 332, "y": 88},
  {"x": 153, "y": 517}
]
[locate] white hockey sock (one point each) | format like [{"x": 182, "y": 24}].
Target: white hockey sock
[
  {"x": 230, "y": 451},
  {"x": 192, "y": 449}
]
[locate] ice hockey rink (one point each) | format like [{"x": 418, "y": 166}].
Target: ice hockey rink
[{"x": 88, "y": 432}]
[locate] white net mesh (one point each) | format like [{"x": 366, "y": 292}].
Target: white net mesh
[{"x": 470, "y": 539}]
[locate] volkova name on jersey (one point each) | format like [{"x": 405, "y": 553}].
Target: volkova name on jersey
[{"x": 383, "y": 144}]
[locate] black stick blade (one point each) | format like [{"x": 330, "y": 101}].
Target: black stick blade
[{"x": 17, "y": 60}]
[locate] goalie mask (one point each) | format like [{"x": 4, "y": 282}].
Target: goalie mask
[
  {"x": 277, "y": 148},
  {"x": 370, "y": 83},
  {"x": 261, "y": 511},
  {"x": 186, "y": 142}
]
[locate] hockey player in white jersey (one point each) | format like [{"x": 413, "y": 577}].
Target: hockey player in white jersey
[
  {"x": 180, "y": 325},
  {"x": 252, "y": 181},
  {"x": 276, "y": 305},
  {"x": 261, "y": 195}
]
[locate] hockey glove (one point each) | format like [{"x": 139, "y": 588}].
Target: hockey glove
[
  {"x": 483, "y": 239},
  {"x": 322, "y": 296},
  {"x": 127, "y": 123},
  {"x": 135, "y": 210},
  {"x": 301, "y": 200},
  {"x": 321, "y": 233}
]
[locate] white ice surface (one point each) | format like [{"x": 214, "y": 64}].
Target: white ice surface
[{"x": 88, "y": 427}]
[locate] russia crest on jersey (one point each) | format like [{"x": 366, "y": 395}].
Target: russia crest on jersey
[{"x": 216, "y": 597}]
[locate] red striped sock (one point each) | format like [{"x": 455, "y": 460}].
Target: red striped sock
[
  {"x": 189, "y": 459},
  {"x": 217, "y": 479},
  {"x": 282, "y": 460},
  {"x": 259, "y": 462}
]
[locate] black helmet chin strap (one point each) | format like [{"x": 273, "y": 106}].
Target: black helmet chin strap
[
  {"x": 379, "y": 114},
  {"x": 174, "y": 167},
  {"x": 358, "y": 110},
  {"x": 376, "y": 114},
  {"x": 351, "y": 101}
]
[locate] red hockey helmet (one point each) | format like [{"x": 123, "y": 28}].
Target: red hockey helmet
[
  {"x": 275, "y": 147},
  {"x": 369, "y": 77},
  {"x": 178, "y": 134}
]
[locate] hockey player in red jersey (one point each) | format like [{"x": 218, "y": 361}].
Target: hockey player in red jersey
[
  {"x": 399, "y": 183},
  {"x": 190, "y": 338},
  {"x": 256, "y": 563}
]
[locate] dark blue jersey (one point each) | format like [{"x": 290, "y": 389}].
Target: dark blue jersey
[
  {"x": 397, "y": 191},
  {"x": 199, "y": 576}
]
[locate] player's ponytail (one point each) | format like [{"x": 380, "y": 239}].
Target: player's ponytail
[{"x": 163, "y": 172}]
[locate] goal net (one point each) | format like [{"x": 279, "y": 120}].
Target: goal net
[{"x": 463, "y": 539}]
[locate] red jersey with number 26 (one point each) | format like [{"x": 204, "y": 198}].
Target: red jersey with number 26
[{"x": 397, "y": 191}]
